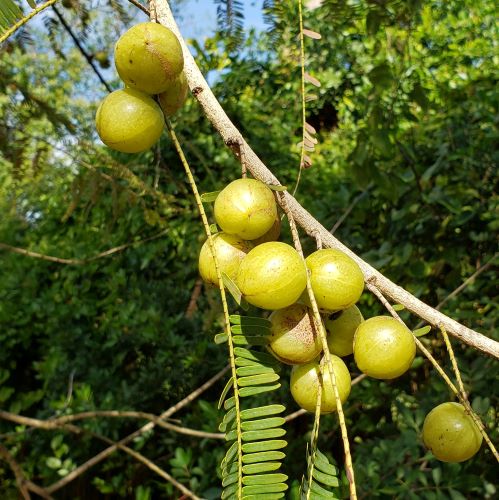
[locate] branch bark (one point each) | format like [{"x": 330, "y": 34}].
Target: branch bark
[{"x": 233, "y": 138}]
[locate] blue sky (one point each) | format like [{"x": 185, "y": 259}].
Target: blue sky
[{"x": 200, "y": 17}]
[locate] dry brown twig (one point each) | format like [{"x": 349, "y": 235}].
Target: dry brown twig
[{"x": 232, "y": 137}]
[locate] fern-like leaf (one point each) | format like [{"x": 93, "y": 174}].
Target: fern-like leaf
[
  {"x": 324, "y": 483},
  {"x": 230, "y": 21},
  {"x": 258, "y": 431}
]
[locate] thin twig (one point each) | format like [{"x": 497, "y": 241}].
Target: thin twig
[
  {"x": 325, "y": 348},
  {"x": 464, "y": 284},
  {"x": 82, "y": 50},
  {"x": 350, "y": 207},
  {"x": 223, "y": 297},
  {"x": 100, "y": 255},
  {"x": 24, "y": 484},
  {"x": 55, "y": 423},
  {"x": 137, "y": 4},
  {"x": 196, "y": 292},
  {"x": 457, "y": 373},
  {"x": 145, "y": 428}
]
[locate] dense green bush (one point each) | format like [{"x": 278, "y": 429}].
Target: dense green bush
[{"x": 405, "y": 116}]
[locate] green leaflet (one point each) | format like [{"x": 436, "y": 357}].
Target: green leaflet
[
  {"x": 209, "y": 197},
  {"x": 253, "y": 458},
  {"x": 230, "y": 479},
  {"x": 228, "y": 385},
  {"x": 245, "y": 371},
  {"x": 325, "y": 478},
  {"x": 264, "y": 423},
  {"x": 264, "y": 479},
  {"x": 263, "y": 434},
  {"x": 254, "y": 429},
  {"x": 265, "y": 488},
  {"x": 261, "y": 357},
  {"x": 229, "y": 403},
  {"x": 250, "y": 340},
  {"x": 263, "y": 446},
  {"x": 265, "y": 378},
  {"x": 251, "y": 391},
  {"x": 264, "y": 496},
  {"x": 262, "y": 411},
  {"x": 325, "y": 481},
  {"x": 220, "y": 338},
  {"x": 250, "y": 329},
  {"x": 259, "y": 468},
  {"x": 235, "y": 319}
]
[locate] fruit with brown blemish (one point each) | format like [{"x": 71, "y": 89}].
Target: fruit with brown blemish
[
  {"x": 230, "y": 251},
  {"x": 129, "y": 121},
  {"x": 341, "y": 329},
  {"x": 173, "y": 98},
  {"x": 294, "y": 336},
  {"x": 246, "y": 207},
  {"x": 383, "y": 347},
  {"x": 450, "y": 433},
  {"x": 148, "y": 57},
  {"x": 305, "y": 379},
  {"x": 337, "y": 280},
  {"x": 272, "y": 276}
]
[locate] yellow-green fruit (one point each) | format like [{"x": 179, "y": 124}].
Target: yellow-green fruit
[
  {"x": 450, "y": 433},
  {"x": 173, "y": 98},
  {"x": 272, "y": 276},
  {"x": 305, "y": 382},
  {"x": 337, "y": 280},
  {"x": 341, "y": 331},
  {"x": 148, "y": 57},
  {"x": 129, "y": 121},
  {"x": 230, "y": 251},
  {"x": 272, "y": 234},
  {"x": 246, "y": 207},
  {"x": 294, "y": 335},
  {"x": 383, "y": 347}
]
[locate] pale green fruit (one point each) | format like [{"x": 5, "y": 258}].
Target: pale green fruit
[
  {"x": 304, "y": 385},
  {"x": 173, "y": 98},
  {"x": 148, "y": 57},
  {"x": 450, "y": 433},
  {"x": 129, "y": 121},
  {"x": 272, "y": 276},
  {"x": 383, "y": 347},
  {"x": 272, "y": 234},
  {"x": 341, "y": 330},
  {"x": 246, "y": 207},
  {"x": 294, "y": 336},
  {"x": 337, "y": 280},
  {"x": 230, "y": 251}
]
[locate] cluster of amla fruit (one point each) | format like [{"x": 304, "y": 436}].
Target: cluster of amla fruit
[
  {"x": 149, "y": 60},
  {"x": 272, "y": 275}
]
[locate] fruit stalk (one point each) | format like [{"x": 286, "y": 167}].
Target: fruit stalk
[
  {"x": 327, "y": 357},
  {"x": 206, "y": 224}
]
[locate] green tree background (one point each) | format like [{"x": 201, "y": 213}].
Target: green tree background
[{"x": 406, "y": 120}]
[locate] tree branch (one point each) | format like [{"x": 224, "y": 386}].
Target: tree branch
[
  {"x": 59, "y": 260},
  {"x": 233, "y": 138},
  {"x": 24, "y": 485},
  {"x": 55, "y": 423},
  {"x": 145, "y": 428}
]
